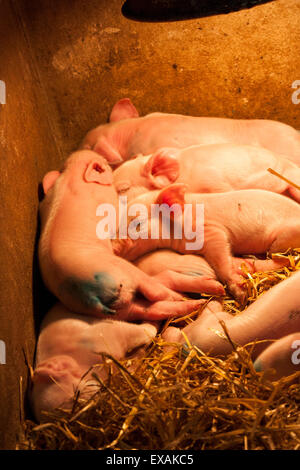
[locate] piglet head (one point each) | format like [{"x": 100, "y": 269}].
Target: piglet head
[
  {"x": 85, "y": 175},
  {"x": 106, "y": 138},
  {"x": 54, "y": 382},
  {"x": 82, "y": 166}
]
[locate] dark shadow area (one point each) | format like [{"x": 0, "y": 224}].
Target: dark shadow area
[
  {"x": 175, "y": 10},
  {"x": 43, "y": 300}
]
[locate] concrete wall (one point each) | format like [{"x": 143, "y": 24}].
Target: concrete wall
[{"x": 65, "y": 64}]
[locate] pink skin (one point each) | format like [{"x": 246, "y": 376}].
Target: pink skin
[
  {"x": 208, "y": 169},
  {"x": 183, "y": 273},
  {"x": 79, "y": 268},
  {"x": 174, "y": 270},
  {"x": 273, "y": 315},
  {"x": 235, "y": 223},
  {"x": 68, "y": 345},
  {"x": 282, "y": 358},
  {"x": 128, "y": 135}
]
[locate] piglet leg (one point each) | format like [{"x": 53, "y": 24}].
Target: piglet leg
[
  {"x": 195, "y": 283},
  {"x": 217, "y": 252},
  {"x": 190, "y": 283},
  {"x": 286, "y": 237},
  {"x": 161, "y": 310},
  {"x": 283, "y": 356}
]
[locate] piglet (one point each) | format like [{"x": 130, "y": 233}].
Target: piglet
[
  {"x": 208, "y": 169},
  {"x": 235, "y": 223},
  {"x": 69, "y": 345},
  {"x": 81, "y": 269},
  {"x": 127, "y": 134}
]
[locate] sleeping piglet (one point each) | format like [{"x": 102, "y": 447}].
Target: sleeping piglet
[
  {"x": 69, "y": 345},
  {"x": 250, "y": 221},
  {"x": 81, "y": 269},
  {"x": 127, "y": 134},
  {"x": 208, "y": 169}
]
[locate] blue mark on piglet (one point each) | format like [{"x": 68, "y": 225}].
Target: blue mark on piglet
[{"x": 101, "y": 292}]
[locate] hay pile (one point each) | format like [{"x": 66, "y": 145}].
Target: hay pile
[{"x": 167, "y": 400}]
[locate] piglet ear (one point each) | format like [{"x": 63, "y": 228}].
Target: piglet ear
[
  {"x": 49, "y": 180},
  {"x": 173, "y": 194},
  {"x": 123, "y": 109},
  {"x": 98, "y": 172},
  {"x": 162, "y": 168}
]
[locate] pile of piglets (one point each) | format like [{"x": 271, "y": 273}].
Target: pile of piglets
[{"x": 113, "y": 293}]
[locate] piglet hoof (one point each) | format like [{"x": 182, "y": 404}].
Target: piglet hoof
[{"x": 238, "y": 292}]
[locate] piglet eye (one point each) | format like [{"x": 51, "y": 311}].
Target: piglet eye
[{"x": 123, "y": 187}]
